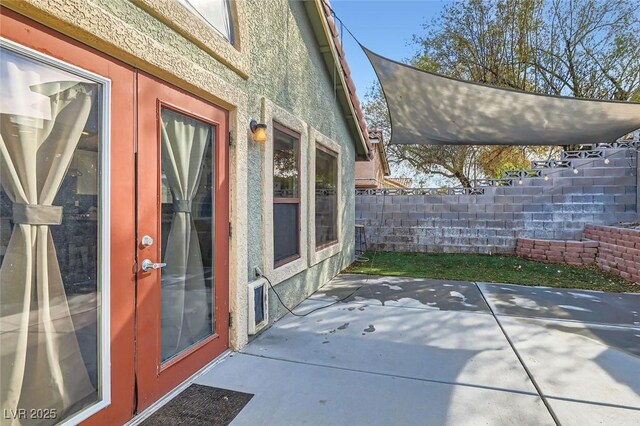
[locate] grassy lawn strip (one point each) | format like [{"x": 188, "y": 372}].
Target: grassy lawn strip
[{"x": 490, "y": 268}]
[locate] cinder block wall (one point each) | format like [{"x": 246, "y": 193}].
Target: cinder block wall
[{"x": 555, "y": 209}]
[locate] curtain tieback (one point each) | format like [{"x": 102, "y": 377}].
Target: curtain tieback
[
  {"x": 35, "y": 214},
  {"x": 181, "y": 206}
]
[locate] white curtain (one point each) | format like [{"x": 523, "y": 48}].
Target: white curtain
[
  {"x": 185, "y": 305},
  {"x": 41, "y": 363}
]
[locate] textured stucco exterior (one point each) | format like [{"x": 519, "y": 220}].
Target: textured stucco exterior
[{"x": 282, "y": 63}]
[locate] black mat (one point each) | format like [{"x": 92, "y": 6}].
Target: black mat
[{"x": 200, "y": 405}]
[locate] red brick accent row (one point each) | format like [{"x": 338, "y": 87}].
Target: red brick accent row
[
  {"x": 619, "y": 250},
  {"x": 562, "y": 252},
  {"x": 614, "y": 250}
]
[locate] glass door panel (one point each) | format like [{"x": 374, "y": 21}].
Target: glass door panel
[
  {"x": 188, "y": 232},
  {"x": 51, "y": 257}
]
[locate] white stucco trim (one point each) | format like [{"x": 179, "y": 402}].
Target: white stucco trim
[
  {"x": 199, "y": 32},
  {"x": 270, "y": 113},
  {"x": 316, "y": 138},
  {"x": 238, "y": 216}
]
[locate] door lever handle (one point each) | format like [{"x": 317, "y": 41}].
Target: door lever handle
[{"x": 148, "y": 265}]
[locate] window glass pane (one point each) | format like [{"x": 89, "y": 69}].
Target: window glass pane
[
  {"x": 326, "y": 197},
  {"x": 285, "y": 231},
  {"x": 216, "y": 13},
  {"x": 51, "y": 138},
  {"x": 188, "y": 313},
  {"x": 286, "y": 157}
]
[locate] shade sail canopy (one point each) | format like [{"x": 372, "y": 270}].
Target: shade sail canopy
[{"x": 431, "y": 109}]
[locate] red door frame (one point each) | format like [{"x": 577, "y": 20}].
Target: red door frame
[
  {"x": 154, "y": 378},
  {"x": 31, "y": 34},
  {"x": 38, "y": 37}
]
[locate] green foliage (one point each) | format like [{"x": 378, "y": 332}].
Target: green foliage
[{"x": 487, "y": 268}]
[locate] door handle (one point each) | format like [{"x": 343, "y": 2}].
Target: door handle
[{"x": 148, "y": 265}]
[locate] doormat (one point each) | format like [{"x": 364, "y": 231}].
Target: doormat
[{"x": 200, "y": 405}]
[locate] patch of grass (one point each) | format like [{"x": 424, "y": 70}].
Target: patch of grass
[{"x": 490, "y": 268}]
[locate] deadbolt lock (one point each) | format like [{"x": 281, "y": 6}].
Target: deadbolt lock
[{"x": 147, "y": 241}]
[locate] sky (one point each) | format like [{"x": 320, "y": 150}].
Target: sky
[{"x": 384, "y": 26}]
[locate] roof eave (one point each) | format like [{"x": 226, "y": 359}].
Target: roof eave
[
  {"x": 318, "y": 15},
  {"x": 379, "y": 136}
]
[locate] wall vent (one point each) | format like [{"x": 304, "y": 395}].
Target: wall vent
[{"x": 258, "y": 301}]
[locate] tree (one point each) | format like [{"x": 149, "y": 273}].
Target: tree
[
  {"x": 489, "y": 42},
  {"x": 582, "y": 48},
  {"x": 589, "y": 49}
]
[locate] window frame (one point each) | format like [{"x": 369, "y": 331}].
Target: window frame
[
  {"x": 104, "y": 226},
  {"x": 284, "y": 200},
  {"x": 273, "y": 113},
  {"x": 200, "y": 32},
  {"x": 231, "y": 10},
  {"x": 336, "y": 157},
  {"x": 318, "y": 254}
]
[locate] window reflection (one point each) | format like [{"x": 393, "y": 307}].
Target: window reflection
[
  {"x": 326, "y": 199},
  {"x": 188, "y": 314},
  {"x": 216, "y": 13},
  {"x": 286, "y": 195}
]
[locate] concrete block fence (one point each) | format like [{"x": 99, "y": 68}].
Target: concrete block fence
[{"x": 492, "y": 218}]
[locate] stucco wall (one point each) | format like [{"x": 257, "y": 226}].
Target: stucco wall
[
  {"x": 292, "y": 74},
  {"x": 284, "y": 66}
]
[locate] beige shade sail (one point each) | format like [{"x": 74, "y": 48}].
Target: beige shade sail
[{"x": 431, "y": 109}]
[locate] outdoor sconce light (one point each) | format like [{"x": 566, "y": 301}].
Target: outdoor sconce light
[{"x": 258, "y": 131}]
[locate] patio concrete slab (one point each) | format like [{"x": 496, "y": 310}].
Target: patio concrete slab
[
  {"x": 419, "y": 293},
  {"x": 411, "y": 351},
  {"x": 579, "y": 305},
  {"x": 289, "y": 393},
  {"x": 585, "y": 379},
  {"x": 446, "y": 346}
]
